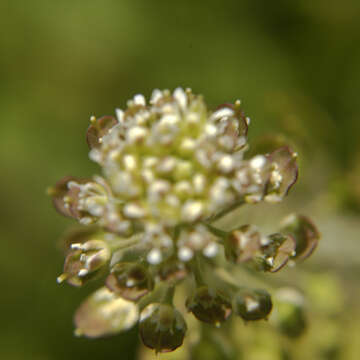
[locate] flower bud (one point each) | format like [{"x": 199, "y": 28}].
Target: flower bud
[
  {"x": 162, "y": 327},
  {"x": 242, "y": 244},
  {"x": 304, "y": 232},
  {"x": 252, "y": 304},
  {"x": 283, "y": 175},
  {"x": 277, "y": 251},
  {"x": 84, "y": 261},
  {"x": 209, "y": 306},
  {"x": 172, "y": 271},
  {"x": 131, "y": 281},
  {"x": 65, "y": 198},
  {"x": 81, "y": 199},
  {"x": 99, "y": 128},
  {"x": 290, "y": 315},
  {"x": 102, "y": 313}
]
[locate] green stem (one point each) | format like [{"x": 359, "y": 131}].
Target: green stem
[
  {"x": 197, "y": 270},
  {"x": 226, "y": 211},
  {"x": 125, "y": 243},
  {"x": 162, "y": 293},
  {"x": 168, "y": 295},
  {"x": 217, "y": 232}
]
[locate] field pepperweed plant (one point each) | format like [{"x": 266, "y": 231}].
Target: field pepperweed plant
[{"x": 170, "y": 170}]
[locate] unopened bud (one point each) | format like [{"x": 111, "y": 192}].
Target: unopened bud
[
  {"x": 242, "y": 244},
  {"x": 130, "y": 280},
  {"x": 252, "y": 304},
  {"x": 304, "y": 232},
  {"x": 99, "y": 128},
  {"x": 162, "y": 327},
  {"x": 84, "y": 261},
  {"x": 209, "y": 306},
  {"x": 277, "y": 252},
  {"x": 172, "y": 271},
  {"x": 290, "y": 314}
]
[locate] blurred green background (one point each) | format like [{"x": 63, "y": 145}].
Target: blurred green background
[{"x": 295, "y": 65}]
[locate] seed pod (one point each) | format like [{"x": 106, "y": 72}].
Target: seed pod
[
  {"x": 162, "y": 327},
  {"x": 283, "y": 175},
  {"x": 61, "y": 191},
  {"x": 130, "y": 281},
  {"x": 209, "y": 306},
  {"x": 84, "y": 261},
  {"x": 234, "y": 123},
  {"x": 252, "y": 304},
  {"x": 290, "y": 314},
  {"x": 242, "y": 244},
  {"x": 103, "y": 313},
  {"x": 277, "y": 252},
  {"x": 99, "y": 128},
  {"x": 66, "y": 196},
  {"x": 304, "y": 232},
  {"x": 172, "y": 271}
]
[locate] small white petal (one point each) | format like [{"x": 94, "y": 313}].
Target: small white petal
[
  {"x": 211, "y": 250},
  {"x": 258, "y": 162},
  {"x": 133, "y": 211},
  {"x": 137, "y": 133},
  {"x": 155, "y": 96},
  {"x": 129, "y": 162},
  {"x": 119, "y": 115},
  {"x": 180, "y": 97},
  {"x": 139, "y": 99},
  {"x": 192, "y": 210},
  {"x": 226, "y": 164},
  {"x": 154, "y": 257},
  {"x": 221, "y": 113},
  {"x": 185, "y": 254}
]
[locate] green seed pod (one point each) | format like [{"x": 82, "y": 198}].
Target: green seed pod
[
  {"x": 131, "y": 281},
  {"x": 162, "y": 327},
  {"x": 290, "y": 313},
  {"x": 252, "y": 304},
  {"x": 209, "y": 306},
  {"x": 304, "y": 232}
]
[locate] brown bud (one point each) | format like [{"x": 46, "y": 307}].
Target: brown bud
[
  {"x": 283, "y": 175},
  {"x": 277, "y": 252},
  {"x": 290, "y": 313},
  {"x": 172, "y": 271},
  {"x": 304, "y": 232},
  {"x": 242, "y": 244},
  {"x": 84, "y": 261},
  {"x": 209, "y": 306},
  {"x": 130, "y": 281},
  {"x": 252, "y": 304},
  {"x": 162, "y": 327},
  {"x": 98, "y": 129},
  {"x": 66, "y": 198}
]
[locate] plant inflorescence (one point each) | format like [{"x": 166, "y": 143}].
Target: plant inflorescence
[{"x": 171, "y": 169}]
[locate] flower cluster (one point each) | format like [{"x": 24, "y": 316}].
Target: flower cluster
[{"x": 170, "y": 169}]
